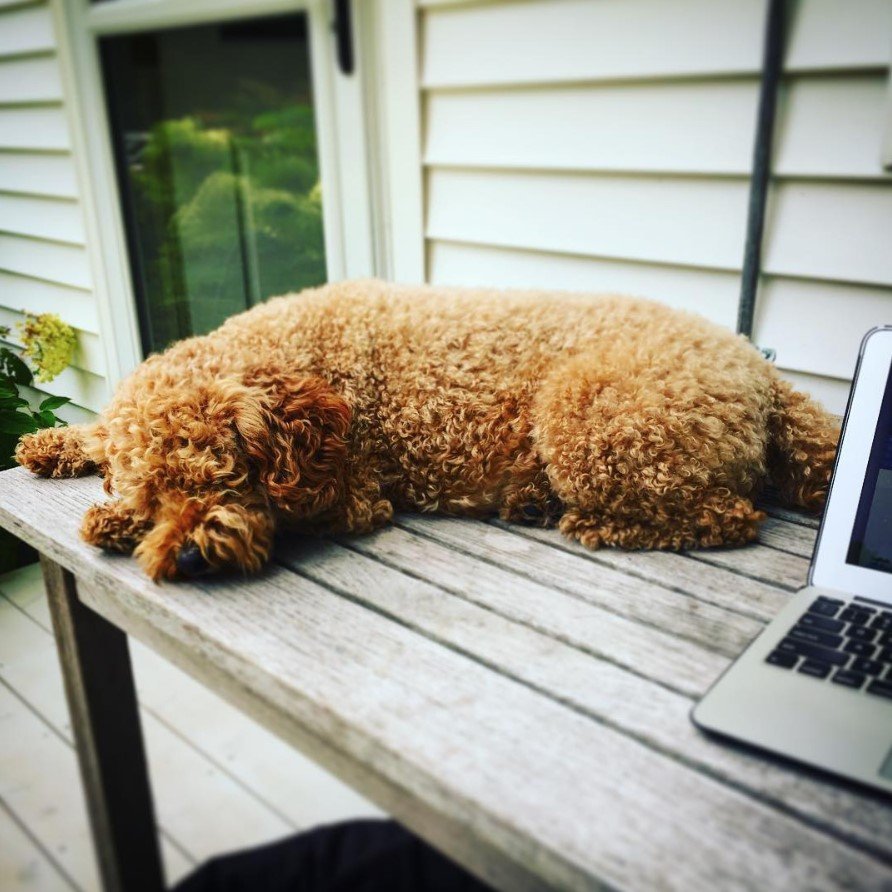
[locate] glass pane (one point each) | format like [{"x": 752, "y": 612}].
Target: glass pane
[{"x": 215, "y": 144}]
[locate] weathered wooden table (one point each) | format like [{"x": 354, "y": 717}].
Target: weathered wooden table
[{"x": 521, "y": 703}]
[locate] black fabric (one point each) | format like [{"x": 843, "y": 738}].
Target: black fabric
[{"x": 356, "y": 856}]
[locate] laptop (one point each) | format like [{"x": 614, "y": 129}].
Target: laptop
[{"x": 816, "y": 685}]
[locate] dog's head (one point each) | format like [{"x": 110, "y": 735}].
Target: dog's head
[{"x": 208, "y": 464}]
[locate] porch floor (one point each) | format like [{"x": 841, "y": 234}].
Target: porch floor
[{"x": 221, "y": 782}]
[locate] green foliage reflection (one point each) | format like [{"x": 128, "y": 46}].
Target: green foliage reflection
[{"x": 229, "y": 213}]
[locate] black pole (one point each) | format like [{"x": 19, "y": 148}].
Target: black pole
[{"x": 772, "y": 63}]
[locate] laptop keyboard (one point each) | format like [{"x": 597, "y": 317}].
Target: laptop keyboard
[{"x": 851, "y": 645}]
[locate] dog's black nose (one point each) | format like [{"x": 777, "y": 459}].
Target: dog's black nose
[{"x": 191, "y": 562}]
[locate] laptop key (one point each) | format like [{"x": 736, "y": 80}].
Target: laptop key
[
  {"x": 822, "y": 623},
  {"x": 883, "y": 622},
  {"x": 782, "y": 659},
  {"x": 861, "y": 648},
  {"x": 849, "y": 679},
  {"x": 880, "y": 688},
  {"x": 813, "y": 636},
  {"x": 802, "y": 648},
  {"x": 855, "y": 615},
  {"x": 825, "y": 607},
  {"x": 869, "y": 667},
  {"x": 862, "y": 633},
  {"x": 815, "y": 668}
]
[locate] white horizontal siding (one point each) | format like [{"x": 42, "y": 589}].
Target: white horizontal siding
[
  {"x": 44, "y": 265},
  {"x": 30, "y": 80},
  {"x": 32, "y": 174},
  {"x": 34, "y": 128},
  {"x": 47, "y": 218},
  {"x": 818, "y": 230},
  {"x": 53, "y": 262},
  {"x": 74, "y": 305},
  {"x": 26, "y": 30},
  {"x": 792, "y": 314},
  {"x": 829, "y": 126},
  {"x": 579, "y": 40},
  {"x": 607, "y": 147}
]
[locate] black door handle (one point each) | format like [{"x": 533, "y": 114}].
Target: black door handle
[{"x": 343, "y": 27}]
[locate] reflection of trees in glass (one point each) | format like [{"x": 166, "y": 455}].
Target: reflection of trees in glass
[{"x": 230, "y": 213}]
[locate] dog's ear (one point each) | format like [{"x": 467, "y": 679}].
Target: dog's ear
[{"x": 294, "y": 430}]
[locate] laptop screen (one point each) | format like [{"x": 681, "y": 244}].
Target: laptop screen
[{"x": 871, "y": 544}]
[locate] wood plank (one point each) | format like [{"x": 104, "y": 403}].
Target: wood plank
[
  {"x": 785, "y": 536},
  {"x": 493, "y": 626},
  {"x": 508, "y": 43},
  {"x": 202, "y": 809},
  {"x": 272, "y": 771},
  {"x": 776, "y": 567},
  {"x": 643, "y": 650},
  {"x": 30, "y": 80},
  {"x": 339, "y": 680},
  {"x": 671, "y": 611},
  {"x": 25, "y": 865},
  {"x": 48, "y": 261},
  {"x": 35, "y": 174},
  {"x": 26, "y": 30},
  {"x": 34, "y": 128},
  {"x": 40, "y": 784},
  {"x": 713, "y": 585},
  {"x": 42, "y": 218},
  {"x": 827, "y": 127}
]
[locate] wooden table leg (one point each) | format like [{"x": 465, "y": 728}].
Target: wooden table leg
[{"x": 105, "y": 718}]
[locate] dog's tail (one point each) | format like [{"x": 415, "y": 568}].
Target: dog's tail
[{"x": 802, "y": 446}]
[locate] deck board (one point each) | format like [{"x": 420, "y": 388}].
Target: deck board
[{"x": 523, "y": 705}]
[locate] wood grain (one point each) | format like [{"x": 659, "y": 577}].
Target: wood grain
[{"x": 536, "y": 761}]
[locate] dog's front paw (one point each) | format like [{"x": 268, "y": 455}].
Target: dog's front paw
[
  {"x": 113, "y": 527},
  {"x": 54, "y": 452}
]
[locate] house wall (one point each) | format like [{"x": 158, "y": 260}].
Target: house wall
[
  {"x": 44, "y": 265},
  {"x": 606, "y": 146}
]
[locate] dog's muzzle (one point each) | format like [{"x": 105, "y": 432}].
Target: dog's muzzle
[{"x": 191, "y": 562}]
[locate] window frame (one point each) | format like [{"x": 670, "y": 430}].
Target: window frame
[{"x": 358, "y": 199}]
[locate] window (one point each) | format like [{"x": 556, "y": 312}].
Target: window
[{"x": 214, "y": 139}]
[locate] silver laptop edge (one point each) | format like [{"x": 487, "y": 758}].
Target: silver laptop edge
[{"x": 827, "y": 725}]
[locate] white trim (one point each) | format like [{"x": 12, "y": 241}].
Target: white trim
[
  {"x": 128, "y": 16},
  {"x": 338, "y": 103},
  {"x": 390, "y": 41},
  {"x": 97, "y": 185},
  {"x": 886, "y": 147},
  {"x": 830, "y": 570}
]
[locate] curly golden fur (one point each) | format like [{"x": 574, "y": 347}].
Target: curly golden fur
[{"x": 627, "y": 422}]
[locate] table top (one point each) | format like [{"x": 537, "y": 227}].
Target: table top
[{"x": 521, "y": 702}]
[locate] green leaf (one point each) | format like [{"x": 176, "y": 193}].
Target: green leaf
[
  {"x": 46, "y": 418},
  {"x": 12, "y": 402},
  {"x": 17, "y": 423},
  {"x": 53, "y": 402},
  {"x": 7, "y": 388},
  {"x": 18, "y": 371}
]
